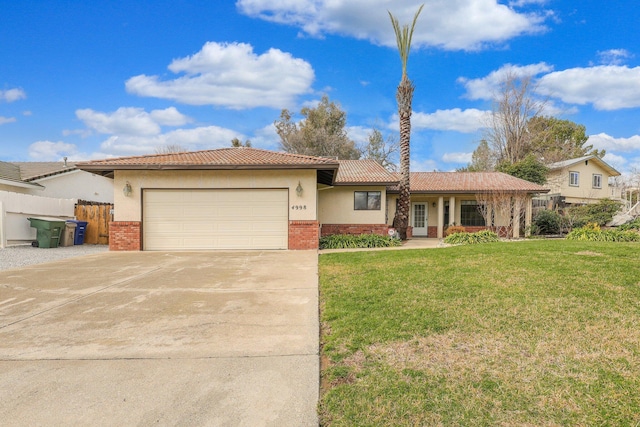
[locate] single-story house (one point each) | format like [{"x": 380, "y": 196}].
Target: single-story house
[
  {"x": 63, "y": 180},
  {"x": 248, "y": 198}
]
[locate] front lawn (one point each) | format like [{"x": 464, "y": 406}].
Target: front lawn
[{"x": 526, "y": 333}]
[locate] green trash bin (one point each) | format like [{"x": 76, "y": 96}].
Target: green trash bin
[{"x": 49, "y": 231}]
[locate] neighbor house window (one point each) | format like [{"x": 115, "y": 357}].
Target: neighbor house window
[
  {"x": 470, "y": 215},
  {"x": 597, "y": 180},
  {"x": 574, "y": 179},
  {"x": 367, "y": 200}
]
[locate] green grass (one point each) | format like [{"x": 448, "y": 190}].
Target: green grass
[{"x": 534, "y": 333}]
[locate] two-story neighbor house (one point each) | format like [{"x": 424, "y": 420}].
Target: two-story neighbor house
[{"x": 583, "y": 180}]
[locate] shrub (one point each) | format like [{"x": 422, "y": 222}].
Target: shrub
[
  {"x": 484, "y": 236},
  {"x": 454, "y": 229},
  {"x": 595, "y": 234},
  {"x": 599, "y": 213},
  {"x": 342, "y": 241},
  {"x": 631, "y": 225},
  {"x": 547, "y": 222}
]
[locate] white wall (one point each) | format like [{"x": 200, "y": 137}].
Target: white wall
[
  {"x": 77, "y": 184},
  {"x": 15, "y": 208}
]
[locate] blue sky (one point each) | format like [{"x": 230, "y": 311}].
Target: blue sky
[{"x": 100, "y": 79}]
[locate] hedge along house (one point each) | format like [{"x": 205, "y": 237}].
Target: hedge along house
[
  {"x": 474, "y": 200},
  {"x": 247, "y": 198}
]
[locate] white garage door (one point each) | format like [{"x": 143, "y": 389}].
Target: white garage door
[{"x": 215, "y": 219}]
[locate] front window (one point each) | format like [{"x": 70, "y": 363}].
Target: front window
[
  {"x": 574, "y": 179},
  {"x": 367, "y": 200},
  {"x": 470, "y": 215},
  {"x": 597, "y": 180}
]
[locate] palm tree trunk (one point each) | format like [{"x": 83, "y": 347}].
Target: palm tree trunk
[{"x": 404, "y": 96}]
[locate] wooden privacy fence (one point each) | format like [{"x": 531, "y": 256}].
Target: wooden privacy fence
[{"x": 97, "y": 217}]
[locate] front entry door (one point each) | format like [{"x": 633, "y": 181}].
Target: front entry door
[{"x": 419, "y": 219}]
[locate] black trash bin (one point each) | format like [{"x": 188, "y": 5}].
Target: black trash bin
[
  {"x": 81, "y": 227},
  {"x": 48, "y": 231}
]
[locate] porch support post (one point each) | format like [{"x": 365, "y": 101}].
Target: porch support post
[
  {"x": 516, "y": 221},
  {"x": 440, "y": 217},
  {"x": 452, "y": 210},
  {"x": 528, "y": 214}
]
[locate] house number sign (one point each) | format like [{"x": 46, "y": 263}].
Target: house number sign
[{"x": 299, "y": 207}]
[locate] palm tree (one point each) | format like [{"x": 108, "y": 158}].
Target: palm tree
[{"x": 404, "y": 96}]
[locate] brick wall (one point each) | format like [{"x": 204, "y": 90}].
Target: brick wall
[
  {"x": 357, "y": 229},
  {"x": 304, "y": 235},
  {"x": 124, "y": 236}
]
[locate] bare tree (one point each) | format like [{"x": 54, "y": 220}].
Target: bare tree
[
  {"x": 170, "y": 148},
  {"x": 504, "y": 210},
  {"x": 383, "y": 152},
  {"x": 404, "y": 96},
  {"x": 507, "y": 131},
  {"x": 237, "y": 143}
]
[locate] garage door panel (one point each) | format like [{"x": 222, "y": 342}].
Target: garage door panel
[{"x": 215, "y": 219}]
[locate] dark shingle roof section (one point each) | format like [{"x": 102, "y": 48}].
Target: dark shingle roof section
[
  {"x": 469, "y": 182},
  {"x": 30, "y": 171},
  {"x": 10, "y": 172},
  {"x": 223, "y": 158},
  {"x": 366, "y": 172}
]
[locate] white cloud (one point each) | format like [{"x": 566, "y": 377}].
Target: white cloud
[
  {"x": 618, "y": 162},
  {"x": 12, "y": 95},
  {"x": 607, "y": 142},
  {"x": 230, "y": 75},
  {"x": 457, "y": 157},
  {"x": 449, "y": 24},
  {"x": 614, "y": 56},
  {"x": 607, "y": 87},
  {"x": 466, "y": 121},
  {"x": 423, "y": 165},
  {"x": 5, "y": 120},
  {"x": 486, "y": 87},
  {"x": 200, "y": 138},
  {"x": 51, "y": 151},
  {"x": 131, "y": 121}
]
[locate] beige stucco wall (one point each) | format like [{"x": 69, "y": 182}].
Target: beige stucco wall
[
  {"x": 432, "y": 211},
  {"x": 336, "y": 206},
  {"x": 558, "y": 182},
  {"x": 300, "y": 208}
]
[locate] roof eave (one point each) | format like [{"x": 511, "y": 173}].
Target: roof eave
[
  {"x": 21, "y": 184},
  {"x": 104, "y": 168}
]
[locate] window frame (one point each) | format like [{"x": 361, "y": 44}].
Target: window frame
[
  {"x": 593, "y": 181},
  {"x": 368, "y": 200},
  {"x": 577, "y": 180},
  {"x": 477, "y": 220}
]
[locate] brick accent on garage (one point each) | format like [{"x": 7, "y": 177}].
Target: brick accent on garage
[
  {"x": 125, "y": 236},
  {"x": 304, "y": 235},
  {"x": 357, "y": 229}
]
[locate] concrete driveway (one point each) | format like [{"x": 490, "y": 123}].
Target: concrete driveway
[{"x": 150, "y": 338}]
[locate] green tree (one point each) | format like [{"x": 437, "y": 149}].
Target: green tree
[
  {"x": 482, "y": 159},
  {"x": 530, "y": 169},
  {"x": 404, "y": 96},
  {"x": 321, "y": 132},
  {"x": 554, "y": 140},
  {"x": 235, "y": 142},
  {"x": 380, "y": 150}
]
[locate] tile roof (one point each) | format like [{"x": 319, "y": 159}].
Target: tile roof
[
  {"x": 571, "y": 162},
  {"x": 363, "y": 172},
  {"x": 468, "y": 182},
  {"x": 223, "y": 158},
  {"x": 30, "y": 171}
]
